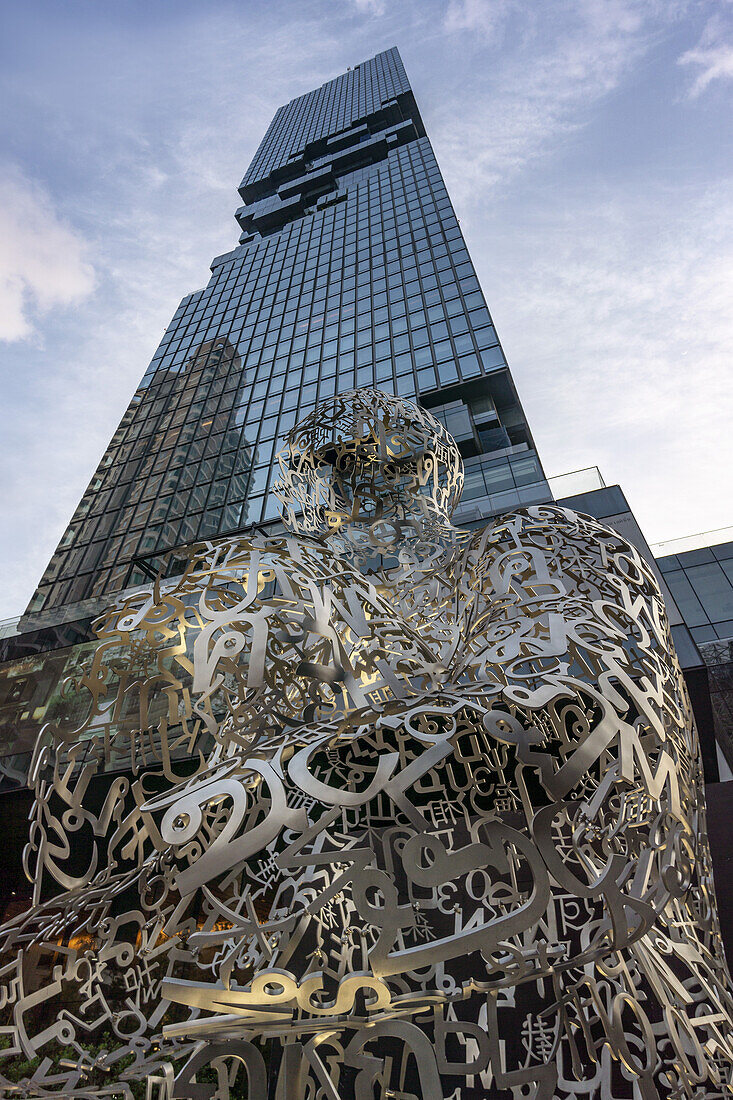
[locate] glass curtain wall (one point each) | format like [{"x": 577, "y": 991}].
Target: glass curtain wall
[{"x": 352, "y": 271}]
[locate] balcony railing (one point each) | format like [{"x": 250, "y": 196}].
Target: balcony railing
[{"x": 575, "y": 482}]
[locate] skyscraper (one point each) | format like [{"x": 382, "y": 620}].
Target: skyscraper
[
  {"x": 351, "y": 271},
  {"x": 418, "y": 805}
]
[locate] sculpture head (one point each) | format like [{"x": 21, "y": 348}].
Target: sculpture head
[{"x": 367, "y": 458}]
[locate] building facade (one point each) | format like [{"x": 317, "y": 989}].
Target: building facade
[
  {"x": 701, "y": 583},
  {"x": 351, "y": 271}
]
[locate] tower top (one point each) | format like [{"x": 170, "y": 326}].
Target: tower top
[{"x": 303, "y": 128}]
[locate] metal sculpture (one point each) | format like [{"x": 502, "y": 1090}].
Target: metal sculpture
[{"x": 380, "y": 808}]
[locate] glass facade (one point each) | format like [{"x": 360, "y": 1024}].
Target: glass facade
[
  {"x": 351, "y": 271},
  {"x": 701, "y": 582}
]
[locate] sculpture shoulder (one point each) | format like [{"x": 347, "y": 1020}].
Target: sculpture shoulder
[
  {"x": 567, "y": 550},
  {"x": 563, "y": 590},
  {"x": 240, "y": 573}
]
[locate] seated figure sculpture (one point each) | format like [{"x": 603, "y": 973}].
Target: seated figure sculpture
[{"x": 377, "y": 808}]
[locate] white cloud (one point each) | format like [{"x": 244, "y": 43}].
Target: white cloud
[
  {"x": 562, "y": 62},
  {"x": 42, "y": 259},
  {"x": 155, "y": 199},
  {"x": 713, "y": 55},
  {"x": 370, "y": 7},
  {"x": 482, "y": 16},
  {"x": 614, "y": 311}
]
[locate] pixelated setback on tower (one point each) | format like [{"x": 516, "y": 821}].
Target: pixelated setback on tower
[{"x": 351, "y": 271}]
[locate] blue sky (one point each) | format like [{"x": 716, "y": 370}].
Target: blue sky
[{"x": 586, "y": 145}]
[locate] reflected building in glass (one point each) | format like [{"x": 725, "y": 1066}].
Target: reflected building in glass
[
  {"x": 351, "y": 271},
  {"x": 182, "y": 430}
]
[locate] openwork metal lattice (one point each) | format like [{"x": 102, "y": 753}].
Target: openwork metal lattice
[{"x": 382, "y": 808}]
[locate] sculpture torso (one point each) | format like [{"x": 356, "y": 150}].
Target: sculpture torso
[{"x": 441, "y": 835}]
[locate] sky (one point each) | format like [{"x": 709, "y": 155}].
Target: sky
[{"x": 586, "y": 145}]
